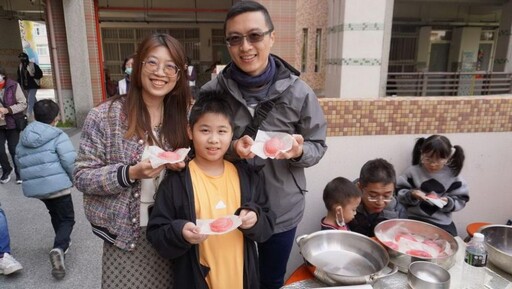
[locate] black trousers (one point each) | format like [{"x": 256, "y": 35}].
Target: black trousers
[
  {"x": 63, "y": 219},
  {"x": 12, "y": 137}
]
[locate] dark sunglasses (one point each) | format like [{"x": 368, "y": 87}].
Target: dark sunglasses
[{"x": 252, "y": 37}]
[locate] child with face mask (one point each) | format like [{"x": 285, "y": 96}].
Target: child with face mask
[{"x": 341, "y": 198}]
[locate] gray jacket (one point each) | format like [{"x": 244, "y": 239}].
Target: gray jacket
[
  {"x": 443, "y": 183},
  {"x": 296, "y": 111}
]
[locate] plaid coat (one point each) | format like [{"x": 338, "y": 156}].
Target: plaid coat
[{"x": 111, "y": 201}]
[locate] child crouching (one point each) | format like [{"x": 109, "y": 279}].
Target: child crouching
[{"x": 341, "y": 198}]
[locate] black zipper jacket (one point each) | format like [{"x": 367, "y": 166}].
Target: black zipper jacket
[{"x": 174, "y": 207}]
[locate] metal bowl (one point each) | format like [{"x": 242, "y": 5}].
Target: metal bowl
[
  {"x": 403, "y": 260},
  {"x": 498, "y": 239},
  {"x": 427, "y": 275},
  {"x": 338, "y": 257}
]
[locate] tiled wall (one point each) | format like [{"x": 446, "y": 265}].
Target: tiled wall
[
  {"x": 283, "y": 17},
  {"x": 289, "y": 18},
  {"x": 425, "y": 115},
  {"x": 311, "y": 14}
]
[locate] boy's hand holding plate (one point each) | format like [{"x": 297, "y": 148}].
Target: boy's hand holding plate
[{"x": 218, "y": 226}]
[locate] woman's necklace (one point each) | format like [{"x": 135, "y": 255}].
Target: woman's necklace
[{"x": 158, "y": 127}]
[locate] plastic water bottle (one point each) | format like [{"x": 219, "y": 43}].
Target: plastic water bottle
[{"x": 475, "y": 259}]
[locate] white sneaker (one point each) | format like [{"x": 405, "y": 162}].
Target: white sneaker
[
  {"x": 57, "y": 261},
  {"x": 9, "y": 265}
]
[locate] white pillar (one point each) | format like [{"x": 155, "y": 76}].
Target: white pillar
[
  {"x": 76, "y": 34},
  {"x": 464, "y": 49},
  {"x": 423, "y": 52},
  {"x": 503, "y": 58},
  {"x": 359, "y": 40}
]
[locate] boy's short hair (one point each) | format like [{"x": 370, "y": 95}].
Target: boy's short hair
[
  {"x": 211, "y": 102},
  {"x": 377, "y": 171},
  {"x": 339, "y": 191},
  {"x": 45, "y": 111}
]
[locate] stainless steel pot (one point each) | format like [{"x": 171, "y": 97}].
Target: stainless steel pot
[
  {"x": 498, "y": 239},
  {"x": 343, "y": 257},
  {"x": 403, "y": 260}
]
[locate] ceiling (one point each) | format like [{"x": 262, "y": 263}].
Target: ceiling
[
  {"x": 196, "y": 11},
  {"x": 191, "y": 11}
]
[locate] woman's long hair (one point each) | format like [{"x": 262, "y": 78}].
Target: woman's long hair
[{"x": 176, "y": 102}]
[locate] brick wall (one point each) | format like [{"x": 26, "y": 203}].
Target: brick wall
[
  {"x": 61, "y": 45},
  {"x": 93, "y": 49}
]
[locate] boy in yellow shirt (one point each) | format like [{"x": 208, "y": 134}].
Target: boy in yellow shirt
[{"x": 211, "y": 188}]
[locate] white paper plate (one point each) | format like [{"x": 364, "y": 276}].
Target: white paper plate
[
  {"x": 437, "y": 202},
  {"x": 157, "y": 161},
  {"x": 263, "y": 136},
  {"x": 204, "y": 224}
]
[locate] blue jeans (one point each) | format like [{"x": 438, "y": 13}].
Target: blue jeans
[
  {"x": 31, "y": 100},
  {"x": 273, "y": 257},
  {"x": 4, "y": 234},
  {"x": 63, "y": 219}
]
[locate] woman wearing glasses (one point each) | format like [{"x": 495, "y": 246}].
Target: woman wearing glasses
[
  {"x": 377, "y": 183},
  {"x": 257, "y": 79},
  {"x": 431, "y": 189},
  {"x": 112, "y": 168}
]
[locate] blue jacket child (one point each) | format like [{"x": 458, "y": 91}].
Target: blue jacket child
[{"x": 46, "y": 158}]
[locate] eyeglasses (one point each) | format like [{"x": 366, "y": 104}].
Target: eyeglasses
[
  {"x": 252, "y": 37},
  {"x": 152, "y": 66},
  {"x": 379, "y": 198},
  {"x": 431, "y": 161}
]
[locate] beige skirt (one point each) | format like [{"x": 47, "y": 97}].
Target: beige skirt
[{"x": 139, "y": 269}]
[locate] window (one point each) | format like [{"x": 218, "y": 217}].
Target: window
[
  {"x": 440, "y": 35},
  {"x": 304, "y": 49},
  {"x": 487, "y": 35},
  {"x": 119, "y": 43},
  {"x": 42, "y": 50},
  {"x": 40, "y": 30},
  {"x": 318, "y": 49}
]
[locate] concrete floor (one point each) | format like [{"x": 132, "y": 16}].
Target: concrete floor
[{"x": 32, "y": 239}]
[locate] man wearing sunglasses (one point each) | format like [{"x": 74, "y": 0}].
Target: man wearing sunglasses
[
  {"x": 255, "y": 79},
  {"x": 377, "y": 183}
]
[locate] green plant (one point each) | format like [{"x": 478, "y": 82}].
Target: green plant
[{"x": 67, "y": 123}]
